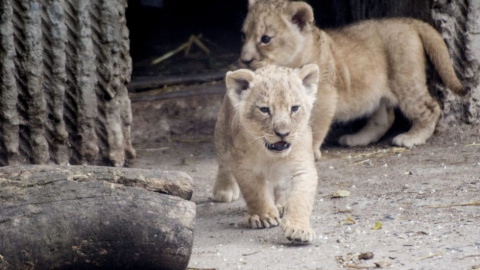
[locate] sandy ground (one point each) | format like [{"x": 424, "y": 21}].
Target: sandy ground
[{"x": 423, "y": 198}]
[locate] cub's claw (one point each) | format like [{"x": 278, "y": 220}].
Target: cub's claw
[
  {"x": 281, "y": 210},
  {"x": 298, "y": 233},
  {"x": 262, "y": 222}
]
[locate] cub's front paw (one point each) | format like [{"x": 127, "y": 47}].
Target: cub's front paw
[
  {"x": 262, "y": 221},
  {"x": 405, "y": 140},
  {"x": 226, "y": 194},
  {"x": 297, "y": 232}
]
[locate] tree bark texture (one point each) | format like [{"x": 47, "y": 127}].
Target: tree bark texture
[
  {"x": 459, "y": 23},
  {"x": 93, "y": 218},
  {"x": 64, "y": 66}
]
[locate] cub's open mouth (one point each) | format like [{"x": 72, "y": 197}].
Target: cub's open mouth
[{"x": 278, "y": 146}]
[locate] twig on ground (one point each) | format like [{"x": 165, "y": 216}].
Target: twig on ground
[
  {"x": 200, "y": 140},
  {"x": 453, "y": 205},
  {"x": 382, "y": 152},
  {"x": 183, "y": 47},
  {"x": 430, "y": 256},
  {"x": 473, "y": 144},
  {"x": 251, "y": 253},
  {"x": 155, "y": 149},
  {"x": 470, "y": 256},
  {"x": 357, "y": 266},
  {"x": 360, "y": 162}
]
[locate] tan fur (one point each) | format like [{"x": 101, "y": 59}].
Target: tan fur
[
  {"x": 271, "y": 182},
  {"x": 368, "y": 68}
]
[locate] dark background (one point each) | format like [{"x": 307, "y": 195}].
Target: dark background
[{"x": 157, "y": 30}]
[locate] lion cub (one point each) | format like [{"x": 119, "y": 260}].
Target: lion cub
[
  {"x": 264, "y": 147},
  {"x": 370, "y": 68}
]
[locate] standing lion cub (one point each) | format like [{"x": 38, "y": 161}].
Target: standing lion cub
[
  {"x": 368, "y": 68},
  {"x": 264, "y": 147}
]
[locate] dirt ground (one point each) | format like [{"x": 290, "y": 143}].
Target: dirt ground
[{"x": 426, "y": 200}]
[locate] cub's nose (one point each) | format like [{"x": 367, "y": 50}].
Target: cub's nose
[
  {"x": 282, "y": 134},
  {"x": 246, "y": 62}
]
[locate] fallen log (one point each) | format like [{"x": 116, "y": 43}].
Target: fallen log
[
  {"x": 168, "y": 182},
  {"x": 79, "y": 220}
]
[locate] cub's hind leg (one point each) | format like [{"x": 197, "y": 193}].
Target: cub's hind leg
[
  {"x": 226, "y": 188},
  {"x": 377, "y": 125},
  {"x": 422, "y": 110},
  {"x": 409, "y": 84}
]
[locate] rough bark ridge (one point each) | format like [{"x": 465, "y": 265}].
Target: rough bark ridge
[
  {"x": 63, "y": 74},
  {"x": 458, "y": 23},
  {"x": 460, "y": 27},
  {"x": 94, "y": 218}
]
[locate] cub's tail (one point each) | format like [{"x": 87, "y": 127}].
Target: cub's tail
[{"x": 438, "y": 53}]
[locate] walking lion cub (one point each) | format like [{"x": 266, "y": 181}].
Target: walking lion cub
[
  {"x": 264, "y": 147},
  {"x": 370, "y": 68}
]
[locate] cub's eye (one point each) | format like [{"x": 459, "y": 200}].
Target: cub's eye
[
  {"x": 295, "y": 108},
  {"x": 243, "y": 36},
  {"x": 265, "y": 39},
  {"x": 264, "y": 109}
]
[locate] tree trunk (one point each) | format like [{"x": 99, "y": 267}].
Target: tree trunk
[
  {"x": 63, "y": 74},
  {"x": 459, "y": 25},
  {"x": 94, "y": 218}
]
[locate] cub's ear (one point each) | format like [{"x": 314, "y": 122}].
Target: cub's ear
[
  {"x": 237, "y": 82},
  {"x": 310, "y": 75},
  {"x": 300, "y": 14}
]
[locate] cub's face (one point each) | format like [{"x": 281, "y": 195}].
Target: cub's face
[
  {"x": 274, "y": 32},
  {"x": 273, "y": 104}
]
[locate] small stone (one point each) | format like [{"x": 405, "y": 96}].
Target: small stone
[
  {"x": 383, "y": 264},
  {"x": 365, "y": 256}
]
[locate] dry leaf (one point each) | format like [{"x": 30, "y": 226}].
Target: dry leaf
[
  {"x": 378, "y": 226},
  {"x": 341, "y": 193},
  {"x": 349, "y": 221}
]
